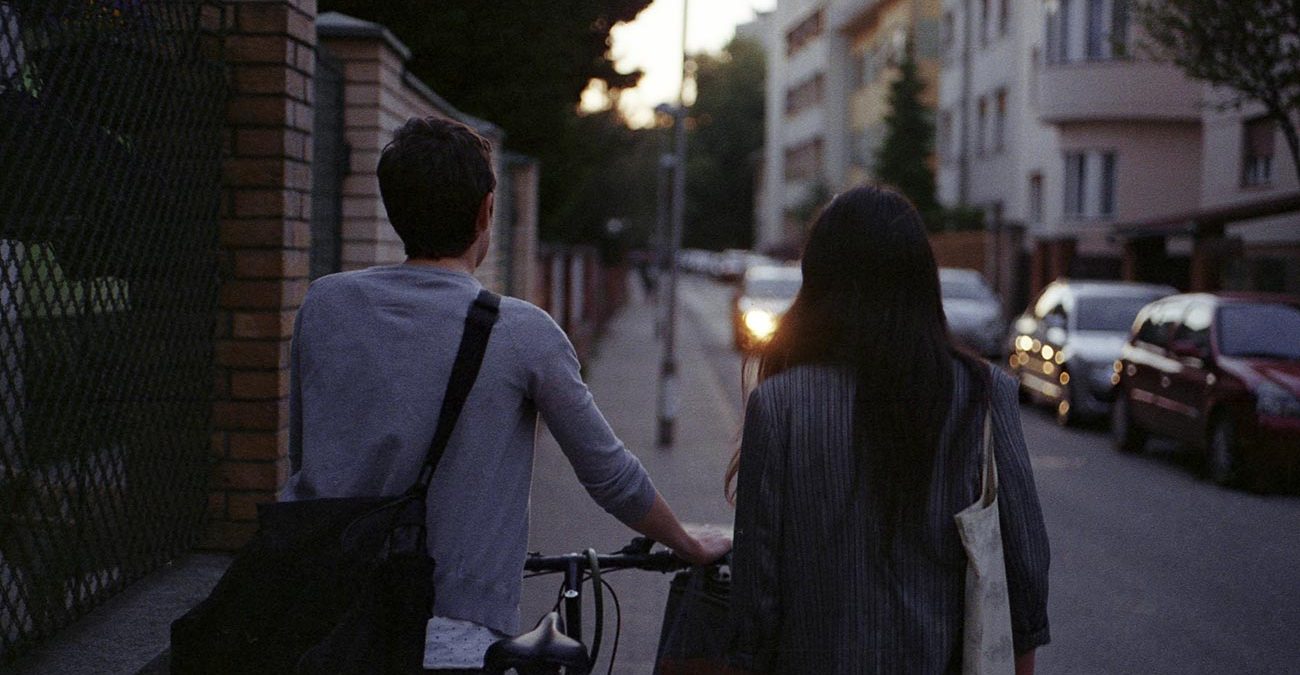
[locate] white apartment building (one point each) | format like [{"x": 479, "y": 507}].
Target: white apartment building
[
  {"x": 1049, "y": 118},
  {"x": 1248, "y": 164},
  {"x": 806, "y": 109},
  {"x": 994, "y": 153}
]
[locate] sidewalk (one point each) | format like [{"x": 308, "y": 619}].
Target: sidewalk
[{"x": 623, "y": 375}]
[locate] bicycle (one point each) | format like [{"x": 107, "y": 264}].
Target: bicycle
[{"x": 556, "y": 642}]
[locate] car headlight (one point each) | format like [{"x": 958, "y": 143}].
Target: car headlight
[
  {"x": 1274, "y": 401},
  {"x": 761, "y": 323}
]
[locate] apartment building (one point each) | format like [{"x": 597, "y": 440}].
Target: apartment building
[
  {"x": 805, "y": 105},
  {"x": 994, "y": 153},
  {"x": 830, "y": 64},
  {"x": 1050, "y": 119},
  {"x": 877, "y": 35},
  {"x": 1243, "y": 231}
]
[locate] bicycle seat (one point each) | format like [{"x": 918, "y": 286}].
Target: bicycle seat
[{"x": 543, "y": 645}]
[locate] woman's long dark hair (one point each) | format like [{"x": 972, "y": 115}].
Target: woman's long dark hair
[{"x": 870, "y": 301}]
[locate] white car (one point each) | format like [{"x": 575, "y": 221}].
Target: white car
[
  {"x": 763, "y": 295},
  {"x": 973, "y": 310}
]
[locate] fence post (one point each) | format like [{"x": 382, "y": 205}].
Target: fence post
[{"x": 265, "y": 240}]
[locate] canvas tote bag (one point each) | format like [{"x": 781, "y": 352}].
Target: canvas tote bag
[{"x": 986, "y": 641}]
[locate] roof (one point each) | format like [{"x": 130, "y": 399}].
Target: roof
[
  {"x": 1189, "y": 222},
  {"x": 338, "y": 24},
  {"x": 1093, "y": 286},
  {"x": 773, "y": 272},
  {"x": 1242, "y": 297}
]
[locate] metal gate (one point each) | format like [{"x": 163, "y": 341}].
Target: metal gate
[
  {"x": 330, "y": 159},
  {"x": 111, "y": 132}
]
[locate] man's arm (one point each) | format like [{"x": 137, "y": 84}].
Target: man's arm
[{"x": 612, "y": 476}]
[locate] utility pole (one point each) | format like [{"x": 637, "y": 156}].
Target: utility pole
[{"x": 668, "y": 395}]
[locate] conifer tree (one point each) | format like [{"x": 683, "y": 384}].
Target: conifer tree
[{"x": 903, "y": 159}]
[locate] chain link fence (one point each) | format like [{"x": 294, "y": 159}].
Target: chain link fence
[{"x": 111, "y": 138}]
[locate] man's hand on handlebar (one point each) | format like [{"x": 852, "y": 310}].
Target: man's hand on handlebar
[{"x": 698, "y": 549}]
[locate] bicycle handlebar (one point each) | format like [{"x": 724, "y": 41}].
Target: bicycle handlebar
[{"x": 636, "y": 555}]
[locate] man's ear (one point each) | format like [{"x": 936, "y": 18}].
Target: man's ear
[{"x": 485, "y": 209}]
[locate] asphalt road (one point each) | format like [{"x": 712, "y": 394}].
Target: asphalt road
[{"x": 1153, "y": 569}]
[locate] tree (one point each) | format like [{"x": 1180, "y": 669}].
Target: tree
[
  {"x": 521, "y": 65},
  {"x": 723, "y": 146},
  {"x": 1250, "y": 49},
  {"x": 904, "y": 157}
]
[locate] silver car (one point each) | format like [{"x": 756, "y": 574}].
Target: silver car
[
  {"x": 973, "y": 310},
  {"x": 1064, "y": 347}
]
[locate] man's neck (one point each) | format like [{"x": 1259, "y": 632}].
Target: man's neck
[{"x": 458, "y": 264}]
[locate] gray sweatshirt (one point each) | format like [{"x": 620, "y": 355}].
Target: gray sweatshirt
[{"x": 372, "y": 351}]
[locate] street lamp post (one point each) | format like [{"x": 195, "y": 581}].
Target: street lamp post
[
  {"x": 668, "y": 399},
  {"x": 668, "y": 367}
]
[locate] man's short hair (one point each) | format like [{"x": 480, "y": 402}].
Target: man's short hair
[{"x": 433, "y": 177}]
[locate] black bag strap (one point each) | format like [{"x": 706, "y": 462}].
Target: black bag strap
[{"x": 469, "y": 357}]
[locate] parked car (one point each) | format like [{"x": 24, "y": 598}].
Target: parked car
[
  {"x": 1063, "y": 348},
  {"x": 1220, "y": 372},
  {"x": 763, "y": 295},
  {"x": 974, "y": 311}
]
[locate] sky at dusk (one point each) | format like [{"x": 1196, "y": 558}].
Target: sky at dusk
[{"x": 652, "y": 42}]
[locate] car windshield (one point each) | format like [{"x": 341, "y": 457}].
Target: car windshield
[
  {"x": 1110, "y": 314},
  {"x": 772, "y": 287},
  {"x": 1265, "y": 330},
  {"x": 963, "y": 289}
]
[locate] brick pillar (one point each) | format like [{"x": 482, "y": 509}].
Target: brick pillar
[
  {"x": 265, "y": 235},
  {"x": 1209, "y": 251},
  {"x": 1060, "y": 258},
  {"x": 1038, "y": 268}
]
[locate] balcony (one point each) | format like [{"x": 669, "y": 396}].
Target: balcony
[{"x": 1117, "y": 90}]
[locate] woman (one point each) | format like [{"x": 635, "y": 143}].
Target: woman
[{"x": 861, "y": 442}]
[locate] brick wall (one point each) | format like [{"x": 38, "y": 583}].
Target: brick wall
[
  {"x": 380, "y": 96},
  {"x": 265, "y": 235},
  {"x": 266, "y": 231}
]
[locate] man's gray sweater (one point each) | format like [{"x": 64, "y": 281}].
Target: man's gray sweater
[{"x": 372, "y": 352}]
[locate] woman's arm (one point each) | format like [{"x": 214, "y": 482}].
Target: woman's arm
[
  {"x": 755, "y": 568},
  {"x": 1024, "y": 536}
]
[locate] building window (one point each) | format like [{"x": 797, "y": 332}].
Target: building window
[
  {"x": 1036, "y": 198},
  {"x": 1119, "y": 29},
  {"x": 804, "y": 161},
  {"x": 985, "y": 21},
  {"x": 1097, "y": 32},
  {"x": 1103, "y": 34},
  {"x": 1004, "y": 18},
  {"x": 1091, "y": 179},
  {"x": 948, "y": 39},
  {"x": 1257, "y": 159},
  {"x": 945, "y": 137},
  {"x": 1000, "y": 121},
  {"x": 1106, "y": 199},
  {"x": 1076, "y": 184},
  {"x": 805, "y": 32},
  {"x": 806, "y": 94},
  {"x": 981, "y": 127}
]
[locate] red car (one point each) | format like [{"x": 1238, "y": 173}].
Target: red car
[{"x": 1220, "y": 372}]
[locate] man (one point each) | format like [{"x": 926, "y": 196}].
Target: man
[{"x": 372, "y": 353}]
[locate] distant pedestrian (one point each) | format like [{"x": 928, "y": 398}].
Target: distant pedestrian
[
  {"x": 371, "y": 357},
  {"x": 649, "y": 273},
  {"x": 861, "y": 442}
]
